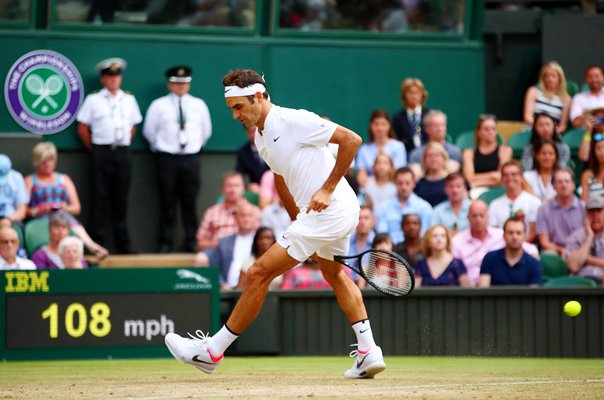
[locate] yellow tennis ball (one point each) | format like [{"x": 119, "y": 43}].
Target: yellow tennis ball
[{"x": 572, "y": 308}]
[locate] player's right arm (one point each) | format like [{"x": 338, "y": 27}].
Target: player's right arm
[{"x": 286, "y": 197}]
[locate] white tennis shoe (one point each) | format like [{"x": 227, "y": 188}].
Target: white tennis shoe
[
  {"x": 367, "y": 364},
  {"x": 193, "y": 351}
]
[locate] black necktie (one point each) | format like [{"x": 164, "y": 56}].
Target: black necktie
[{"x": 181, "y": 119}]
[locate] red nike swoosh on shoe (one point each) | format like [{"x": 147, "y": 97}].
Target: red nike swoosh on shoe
[{"x": 216, "y": 359}]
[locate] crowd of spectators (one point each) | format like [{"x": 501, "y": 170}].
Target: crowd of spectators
[{"x": 421, "y": 198}]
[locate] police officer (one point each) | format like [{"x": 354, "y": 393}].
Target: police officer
[
  {"x": 177, "y": 126},
  {"x": 107, "y": 123}
]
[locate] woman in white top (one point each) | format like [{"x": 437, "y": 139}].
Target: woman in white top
[
  {"x": 545, "y": 163},
  {"x": 381, "y": 189},
  {"x": 381, "y": 140},
  {"x": 549, "y": 96}
]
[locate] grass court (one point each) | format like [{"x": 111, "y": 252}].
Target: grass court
[{"x": 305, "y": 378}]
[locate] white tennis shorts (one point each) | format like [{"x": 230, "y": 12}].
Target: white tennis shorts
[{"x": 325, "y": 234}]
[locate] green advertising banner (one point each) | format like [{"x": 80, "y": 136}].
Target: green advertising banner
[{"x": 103, "y": 313}]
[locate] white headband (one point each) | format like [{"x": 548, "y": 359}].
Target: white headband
[{"x": 236, "y": 91}]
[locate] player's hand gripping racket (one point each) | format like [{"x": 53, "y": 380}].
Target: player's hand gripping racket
[{"x": 386, "y": 271}]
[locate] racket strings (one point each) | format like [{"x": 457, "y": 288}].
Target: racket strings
[{"x": 387, "y": 272}]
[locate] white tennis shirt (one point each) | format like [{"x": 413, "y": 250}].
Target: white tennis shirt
[{"x": 294, "y": 145}]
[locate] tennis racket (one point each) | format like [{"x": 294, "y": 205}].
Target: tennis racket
[{"x": 385, "y": 270}]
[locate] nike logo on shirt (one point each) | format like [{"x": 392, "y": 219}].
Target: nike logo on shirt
[{"x": 275, "y": 139}]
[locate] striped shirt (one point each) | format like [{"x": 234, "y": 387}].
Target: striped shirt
[{"x": 552, "y": 107}]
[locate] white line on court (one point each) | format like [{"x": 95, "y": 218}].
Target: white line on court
[{"x": 426, "y": 386}]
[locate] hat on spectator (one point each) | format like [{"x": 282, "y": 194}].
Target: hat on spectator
[
  {"x": 58, "y": 219},
  {"x": 179, "y": 74},
  {"x": 595, "y": 201},
  {"x": 112, "y": 66},
  {"x": 5, "y": 166}
]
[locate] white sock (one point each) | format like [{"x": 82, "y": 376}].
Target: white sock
[
  {"x": 364, "y": 335},
  {"x": 220, "y": 341}
]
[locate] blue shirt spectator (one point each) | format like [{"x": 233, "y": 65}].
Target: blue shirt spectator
[
  {"x": 444, "y": 215},
  {"x": 390, "y": 218},
  {"x": 527, "y": 271},
  {"x": 368, "y": 152},
  {"x": 13, "y": 194}
]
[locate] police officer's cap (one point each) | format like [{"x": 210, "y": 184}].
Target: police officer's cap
[
  {"x": 111, "y": 66},
  {"x": 179, "y": 74}
]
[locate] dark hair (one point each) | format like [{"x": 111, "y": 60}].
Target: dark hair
[
  {"x": 535, "y": 138},
  {"x": 515, "y": 219},
  {"x": 481, "y": 120},
  {"x": 404, "y": 170},
  {"x": 244, "y": 78},
  {"x": 409, "y": 215},
  {"x": 259, "y": 232},
  {"x": 454, "y": 175},
  {"x": 592, "y": 66},
  {"x": 380, "y": 113},
  {"x": 536, "y": 150},
  {"x": 381, "y": 238},
  {"x": 592, "y": 162}
]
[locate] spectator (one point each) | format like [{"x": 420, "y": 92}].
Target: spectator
[
  {"x": 381, "y": 140},
  {"x": 560, "y": 216},
  {"x": 268, "y": 192},
  {"x": 406, "y": 202},
  {"x": 71, "y": 251},
  {"x": 275, "y": 216},
  {"x": 481, "y": 164},
  {"x": 544, "y": 129},
  {"x": 411, "y": 248},
  {"x": 439, "y": 268},
  {"x": 234, "y": 249},
  {"x": 363, "y": 236},
  {"x": 431, "y": 187},
  {"x": 592, "y": 180},
  {"x": 453, "y": 213},
  {"x": 48, "y": 256},
  {"x": 306, "y": 275},
  {"x": 177, "y": 126},
  {"x": 219, "y": 221},
  {"x": 549, "y": 96},
  {"x": 249, "y": 163},
  {"x": 436, "y": 130},
  {"x": 516, "y": 201},
  {"x": 584, "y": 102},
  {"x": 381, "y": 189},
  {"x": 511, "y": 265},
  {"x": 107, "y": 124},
  {"x": 263, "y": 240},
  {"x": 381, "y": 241},
  {"x": 52, "y": 192},
  {"x": 593, "y": 133},
  {"x": 13, "y": 194},
  {"x": 473, "y": 243},
  {"x": 540, "y": 178},
  {"x": 585, "y": 246},
  {"x": 407, "y": 123},
  {"x": 9, "y": 244}
]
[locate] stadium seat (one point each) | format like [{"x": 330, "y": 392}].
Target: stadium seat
[
  {"x": 568, "y": 281},
  {"x": 250, "y": 196},
  {"x": 573, "y": 138},
  {"x": 572, "y": 88},
  {"x": 19, "y": 229},
  {"x": 554, "y": 266},
  {"x": 36, "y": 234},
  {"x": 492, "y": 194},
  {"x": 518, "y": 142}
]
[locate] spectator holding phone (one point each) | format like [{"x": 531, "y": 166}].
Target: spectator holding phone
[{"x": 52, "y": 192}]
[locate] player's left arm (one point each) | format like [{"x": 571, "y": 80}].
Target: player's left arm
[{"x": 348, "y": 143}]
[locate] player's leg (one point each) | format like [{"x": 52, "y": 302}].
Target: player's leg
[{"x": 206, "y": 352}]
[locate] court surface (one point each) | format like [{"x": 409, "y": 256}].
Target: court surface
[{"x": 305, "y": 378}]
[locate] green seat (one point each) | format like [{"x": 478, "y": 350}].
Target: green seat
[
  {"x": 568, "y": 281},
  {"x": 36, "y": 234},
  {"x": 465, "y": 140},
  {"x": 19, "y": 229},
  {"x": 492, "y": 194},
  {"x": 518, "y": 141},
  {"x": 250, "y": 196},
  {"x": 554, "y": 266},
  {"x": 572, "y": 88},
  {"x": 573, "y": 138}
]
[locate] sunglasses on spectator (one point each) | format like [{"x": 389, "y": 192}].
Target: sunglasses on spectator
[{"x": 598, "y": 137}]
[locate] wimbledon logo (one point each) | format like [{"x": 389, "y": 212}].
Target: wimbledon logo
[{"x": 43, "y": 92}]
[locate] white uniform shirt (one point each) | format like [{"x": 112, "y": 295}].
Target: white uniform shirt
[
  {"x": 110, "y": 118},
  {"x": 162, "y": 125},
  {"x": 585, "y": 101},
  {"x": 294, "y": 145},
  {"x": 242, "y": 250},
  {"x": 503, "y": 208},
  {"x": 20, "y": 264}
]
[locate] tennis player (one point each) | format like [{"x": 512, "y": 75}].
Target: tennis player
[{"x": 324, "y": 210}]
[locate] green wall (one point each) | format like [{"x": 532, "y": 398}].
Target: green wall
[{"x": 342, "y": 78}]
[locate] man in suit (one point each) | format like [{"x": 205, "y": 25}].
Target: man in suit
[
  {"x": 233, "y": 250},
  {"x": 408, "y": 122}
]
